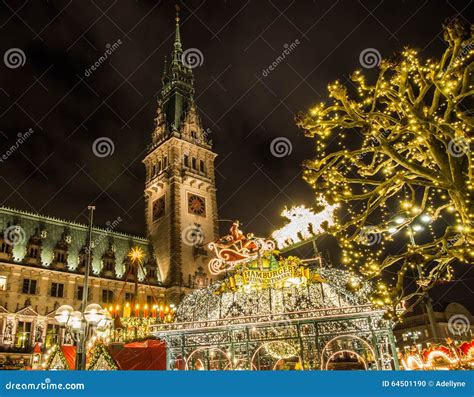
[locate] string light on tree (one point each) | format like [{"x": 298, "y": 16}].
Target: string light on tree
[{"x": 414, "y": 159}]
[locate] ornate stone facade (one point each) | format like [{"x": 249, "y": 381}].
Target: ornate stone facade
[{"x": 42, "y": 262}]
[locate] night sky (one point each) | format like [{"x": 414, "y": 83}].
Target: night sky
[{"x": 55, "y": 172}]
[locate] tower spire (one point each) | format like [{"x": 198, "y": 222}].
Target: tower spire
[
  {"x": 177, "y": 94},
  {"x": 177, "y": 38}
]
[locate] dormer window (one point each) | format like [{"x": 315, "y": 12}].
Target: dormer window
[
  {"x": 81, "y": 267},
  {"x": 60, "y": 256},
  {"x": 109, "y": 265},
  {"x": 108, "y": 262},
  {"x": 33, "y": 252},
  {"x": 194, "y": 134},
  {"x": 33, "y": 249}
]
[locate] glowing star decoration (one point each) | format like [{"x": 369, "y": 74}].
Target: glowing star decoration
[
  {"x": 304, "y": 224},
  {"x": 136, "y": 254}
]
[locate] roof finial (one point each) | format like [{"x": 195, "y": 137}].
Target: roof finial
[
  {"x": 177, "y": 12},
  {"x": 177, "y": 39}
]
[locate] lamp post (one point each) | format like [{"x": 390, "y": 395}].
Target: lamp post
[
  {"x": 81, "y": 354},
  {"x": 400, "y": 222},
  {"x": 78, "y": 323}
]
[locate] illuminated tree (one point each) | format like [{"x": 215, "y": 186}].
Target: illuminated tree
[{"x": 396, "y": 155}]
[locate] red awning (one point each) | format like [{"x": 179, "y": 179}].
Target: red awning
[
  {"x": 146, "y": 355},
  {"x": 70, "y": 355},
  {"x": 149, "y": 343}
]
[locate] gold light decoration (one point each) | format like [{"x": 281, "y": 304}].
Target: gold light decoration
[
  {"x": 136, "y": 255},
  {"x": 397, "y": 155},
  {"x": 281, "y": 350}
]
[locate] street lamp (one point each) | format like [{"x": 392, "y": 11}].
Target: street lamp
[
  {"x": 399, "y": 222},
  {"x": 94, "y": 314},
  {"x": 63, "y": 313},
  {"x": 78, "y": 321},
  {"x": 79, "y": 324}
]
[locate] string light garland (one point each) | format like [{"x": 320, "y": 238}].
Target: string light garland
[
  {"x": 100, "y": 352},
  {"x": 208, "y": 305},
  {"x": 411, "y": 166},
  {"x": 51, "y": 357}
]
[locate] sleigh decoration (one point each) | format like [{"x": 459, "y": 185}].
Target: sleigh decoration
[{"x": 235, "y": 249}]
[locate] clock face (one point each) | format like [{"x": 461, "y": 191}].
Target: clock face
[
  {"x": 158, "y": 208},
  {"x": 196, "y": 205}
]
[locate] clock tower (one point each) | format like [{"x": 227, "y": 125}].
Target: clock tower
[{"x": 180, "y": 192}]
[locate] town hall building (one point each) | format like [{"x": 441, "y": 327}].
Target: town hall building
[{"x": 42, "y": 259}]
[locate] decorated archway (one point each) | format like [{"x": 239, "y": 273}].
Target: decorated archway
[
  {"x": 208, "y": 358},
  {"x": 350, "y": 351},
  {"x": 276, "y": 355},
  {"x": 345, "y": 352}
]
